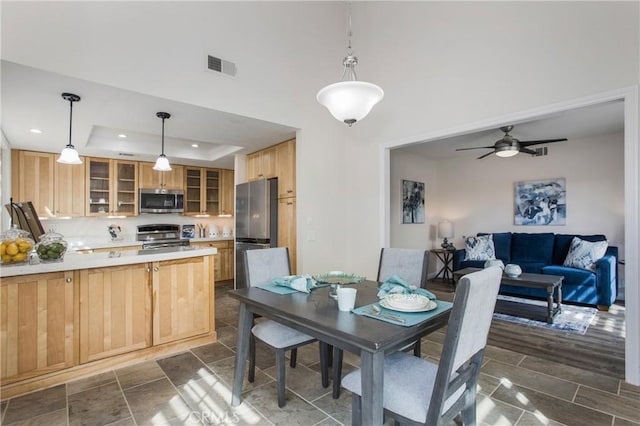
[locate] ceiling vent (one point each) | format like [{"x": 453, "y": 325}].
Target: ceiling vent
[
  {"x": 125, "y": 154},
  {"x": 221, "y": 66},
  {"x": 541, "y": 152}
]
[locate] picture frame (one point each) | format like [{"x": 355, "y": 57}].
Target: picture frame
[
  {"x": 413, "y": 194},
  {"x": 540, "y": 202}
]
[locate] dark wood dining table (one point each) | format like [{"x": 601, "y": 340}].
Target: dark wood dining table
[{"x": 317, "y": 314}]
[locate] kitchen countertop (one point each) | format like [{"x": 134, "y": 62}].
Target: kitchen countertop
[
  {"x": 82, "y": 244},
  {"x": 73, "y": 260}
]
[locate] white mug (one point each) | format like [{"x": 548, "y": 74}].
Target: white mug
[{"x": 346, "y": 298}]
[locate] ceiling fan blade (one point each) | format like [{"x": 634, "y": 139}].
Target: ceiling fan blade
[
  {"x": 527, "y": 151},
  {"x": 486, "y": 155},
  {"x": 529, "y": 143},
  {"x": 477, "y": 147}
]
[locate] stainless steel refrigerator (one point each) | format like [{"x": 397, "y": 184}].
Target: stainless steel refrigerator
[{"x": 256, "y": 220}]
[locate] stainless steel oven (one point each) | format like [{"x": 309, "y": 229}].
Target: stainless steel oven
[{"x": 161, "y": 200}]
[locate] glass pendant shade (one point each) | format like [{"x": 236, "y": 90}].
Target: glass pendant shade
[
  {"x": 69, "y": 155},
  {"x": 162, "y": 164},
  {"x": 350, "y": 101}
]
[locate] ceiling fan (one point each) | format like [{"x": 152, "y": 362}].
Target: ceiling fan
[{"x": 509, "y": 146}]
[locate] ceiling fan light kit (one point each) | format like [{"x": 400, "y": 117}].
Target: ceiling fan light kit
[
  {"x": 350, "y": 100},
  {"x": 509, "y": 146},
  {"x": 162, "y": 163},
  {"x": 69, "y": 155}
]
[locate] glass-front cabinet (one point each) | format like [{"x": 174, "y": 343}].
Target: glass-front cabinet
[
  {"x": 202, "y": 191},
  {"x": 112, "y": 188}
]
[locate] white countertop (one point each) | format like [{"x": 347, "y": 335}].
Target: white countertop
[
  {"x": 73, "y": 261},
  {"x": 82, "y": 244}
]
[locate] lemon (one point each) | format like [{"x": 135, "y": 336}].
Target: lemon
[
  {"x": 20, "y": 241},
  {"x": 3, "y": 249},
  {"x": 6, "y": 258},
  {"x": 12, "y": 249},
  {"x": 24, "y": 247},
  {"x": 20, "y": 257}
]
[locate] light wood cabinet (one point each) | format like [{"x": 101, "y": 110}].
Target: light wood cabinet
[
  {"x": 182, "y": 298},
  {"x": 115, "y": 311},
  {"x": 286, "y": 168},
  {"x": 223, "y": 267},
  {"x": 149, "y": 178},
  {"x": 227, "y": 192},
  {"x": 262, "y": 164},
  {"x": 202, "y": 191},
  {"x": 287, "y": 228},
  {"x": 32, "y": 179},
  {"x": 69, "y": 192},
  {"x": 37, "y": 332},
  {"x": 112, "y": 187}
]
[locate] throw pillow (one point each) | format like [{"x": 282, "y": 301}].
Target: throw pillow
[
  {"x": 583, "y": 254},
  {"x": 479, "y": 248}
]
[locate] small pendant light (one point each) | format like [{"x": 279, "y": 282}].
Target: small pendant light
[
  {"x": 162, "y": 163},
  {"x": 69, "y": 155}
]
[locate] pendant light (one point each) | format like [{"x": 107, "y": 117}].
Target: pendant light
[
  {"x": 69, "y": 155},
  {"x": 350, "y": 100},
  {"x": 162, "y": 163}
]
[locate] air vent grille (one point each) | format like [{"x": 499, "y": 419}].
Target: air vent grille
[
  {"x": 541, "y": 152},
  {"x": 221, "y": 66},
  {"x": 125, "y": 154}
]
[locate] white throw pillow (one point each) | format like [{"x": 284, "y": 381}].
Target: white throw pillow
[
  {"x": 479, "y": 248},
  {"x": 583, "y": 254}
]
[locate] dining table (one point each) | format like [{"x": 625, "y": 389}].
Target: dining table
[{"x": 317, "y": 315}]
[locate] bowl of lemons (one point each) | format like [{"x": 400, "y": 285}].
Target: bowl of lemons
[{"x": 15, "y": 246}]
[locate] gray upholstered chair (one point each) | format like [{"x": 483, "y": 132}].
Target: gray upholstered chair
[
  {"x": 420, "y": 392},
  {"x": 262, "y": 266}
]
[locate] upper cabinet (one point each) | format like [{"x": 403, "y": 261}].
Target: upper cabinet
[
  {"x": 286, "y": 168},
  {"x": 32, "y": 180},
  {"x": 227, "y": 192},
  {"x": 70, "y": 185},
  {"x": 201, "y": 191},
  {"x": 112, "y": 187},
  {"x": 262, "y": 164},
  {"x": 149, "y": 178}
]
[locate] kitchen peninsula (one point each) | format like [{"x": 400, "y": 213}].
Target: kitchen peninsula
[{"x": 98, "y": 310}]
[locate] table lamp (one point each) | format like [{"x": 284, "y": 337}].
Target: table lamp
[{"x": 445, "y": 231}]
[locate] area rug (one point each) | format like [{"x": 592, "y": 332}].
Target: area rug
[{"x": 575, "y": 319}]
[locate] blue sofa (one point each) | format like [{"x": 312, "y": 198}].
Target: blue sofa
[{"x": 544, "y": 253}]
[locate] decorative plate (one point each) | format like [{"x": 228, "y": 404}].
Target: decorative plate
[
  {"x": 338, "y": 277},
  {"x": 408, "y": 303}
]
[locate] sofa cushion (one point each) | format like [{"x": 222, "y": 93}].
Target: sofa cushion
[
  {"x": 502, "y": 245},
  {"x": 531, "y": 267},
  {"x": 572, "y": 276},
  {"x": 562, "y": 243},
  {"x": 532, "y": 248},
  {"x": 583, "y": 254},
  {"x": 479, "y": 248}
]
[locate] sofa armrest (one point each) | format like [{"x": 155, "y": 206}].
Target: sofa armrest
[
  {"x": 607, "y": 279},
  {"x": 458, "y": 257}
]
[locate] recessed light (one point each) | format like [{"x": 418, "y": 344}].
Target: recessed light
[
  {"x": 195, "y": 145},
  {"x": 122, "y": 136},
  {"x": 36, "y": 131}
]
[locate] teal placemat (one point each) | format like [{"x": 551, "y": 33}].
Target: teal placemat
[
  {"x": 410, "y": 318},
  {"x": 279, "y": 289}
]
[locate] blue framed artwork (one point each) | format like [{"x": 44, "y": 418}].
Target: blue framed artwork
[
  {"x": 412, "y": 201},
  {"x": 541, "y": 202}
]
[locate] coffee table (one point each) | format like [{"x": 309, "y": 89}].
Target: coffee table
[{"x": 552, "y": 283}]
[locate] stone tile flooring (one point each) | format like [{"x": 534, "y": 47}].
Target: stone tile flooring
[{"x": 194, "y": 387}]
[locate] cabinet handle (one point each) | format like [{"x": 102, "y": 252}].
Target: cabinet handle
[
  {"x": 289, "y": 203},
  {"x": 155, "y": 269},
  {"x": 148, "y": 269},
  {"x": 289, "y": 191},
  {"x": 69, "y": 280}
]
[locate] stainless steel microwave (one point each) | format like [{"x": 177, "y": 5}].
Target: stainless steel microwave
[{"x": 161, "y": 200}]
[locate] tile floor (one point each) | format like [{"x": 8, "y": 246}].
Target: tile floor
[{"x": 193, "y": 387}]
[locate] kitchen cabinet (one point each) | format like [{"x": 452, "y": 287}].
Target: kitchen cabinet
[
  {"x": 112, "y": 187},
  {"x": 223, "y": 268},
  {"x": 262, "y": 164},
  {"x": 149, "y": 178},
  {"x": 182, "y": 298},
  {"x": 286, "y": 168},
  {"x": 32, "y": 179},
  {"x": 69, "y": 189},
  {"x": 37, "y": 332},
  {"x": 115, "y": 310},
  {"x": 227, "y": 192},
  {"x": 201, "y": 191},
  {"x": 287, "y": 228}
]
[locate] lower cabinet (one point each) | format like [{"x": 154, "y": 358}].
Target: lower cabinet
[
  {"x": 115, "y": 311},
  {"x": 224, "y": 264},
  {"x": 36, "y": 325},
  {"x": 181, "y": 298}
]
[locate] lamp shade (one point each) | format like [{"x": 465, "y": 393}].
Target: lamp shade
[
  {"x": 350, "y": 101},
  {"x": 69, "y": 155},
  {"x": 507, "y": 151},
  {"x": 162, "y": 164},
  {"x": 445, "y": 229}
]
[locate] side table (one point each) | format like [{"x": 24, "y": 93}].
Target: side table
[{"x": 446, "y": 257}]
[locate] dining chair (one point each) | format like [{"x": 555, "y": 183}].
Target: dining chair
[
  {"x": 262, "y": 266},
  {"x": 420, "y": 392}
]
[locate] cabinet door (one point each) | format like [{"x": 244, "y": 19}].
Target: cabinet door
[
  {"x": 253, "y": 166},
  {"x": 125, "y": 184},
  {"x": 268, "y": 163},
  {"x": 147, "y": 177},
  {"x": 287, "y": 228},
  {"x": 36, "y": 325},
  {"x": 227, "y": 192},
  {"x": 182, "y": 298},
  {"x": 286, "y": 165},
  {"x": 221, "y": 262},
  {"x": 98, "y": 171},
  {"x": 32, "y": 180},
  {"x": 173, "y": 179},
  {"x": 115, "y": 311},
  {"x": 193, "y": 178},
  {"x": 211, "y": 193},
  {"x": 70, "y": 189}
]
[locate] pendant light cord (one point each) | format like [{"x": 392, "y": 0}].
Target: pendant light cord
[
  {"x": 162, "y": 135},
  {"x": 70, "y": 121},
  {"x": 349, "y": 33}
]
